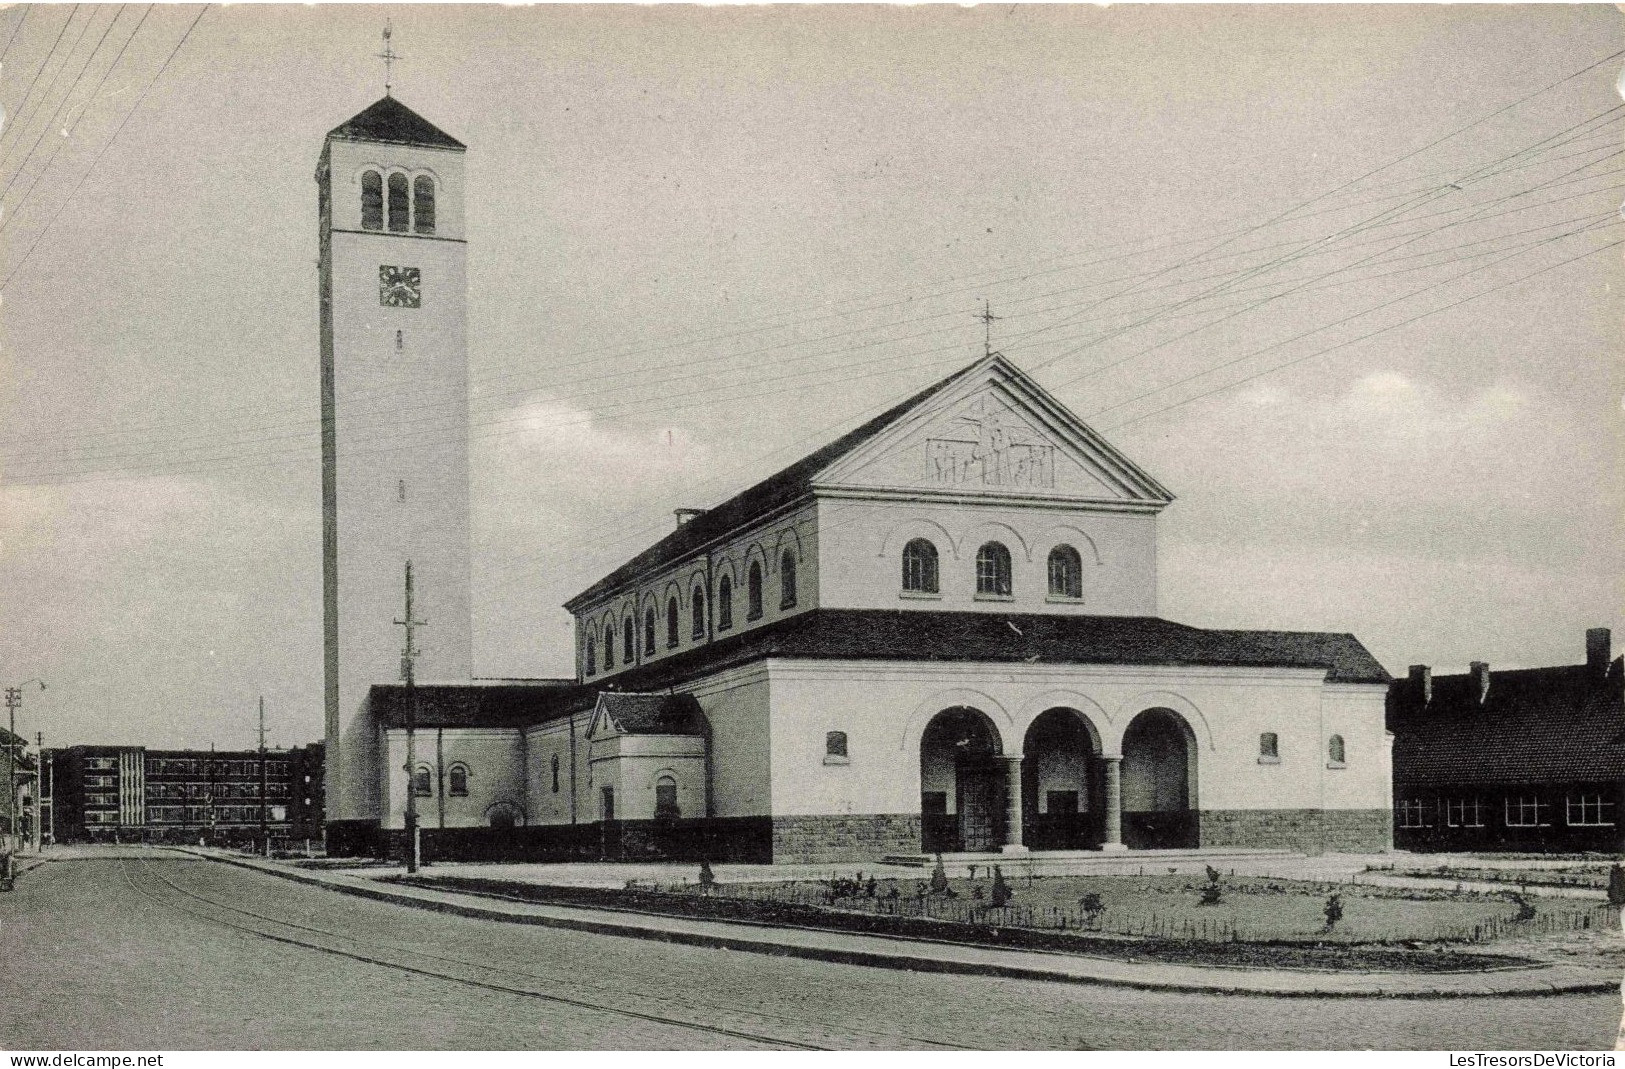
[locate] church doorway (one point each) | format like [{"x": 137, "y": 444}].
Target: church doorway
[
  {"x": 1159, "y": 780},
  {"x": 962, "y": 783},
  {"x": 1062, "y": 800}
]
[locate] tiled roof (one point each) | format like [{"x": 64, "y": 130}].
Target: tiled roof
[
  {"x": 653, "y": 714},
  {"x": 1536, "y": 725},
  {"x": 480, "y": 704},
  {"x": 393, "y": 122},
  {"x": 781, "y": 488}
]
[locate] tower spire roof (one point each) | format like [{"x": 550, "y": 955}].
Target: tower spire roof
[{"x": 394, "y": 123}]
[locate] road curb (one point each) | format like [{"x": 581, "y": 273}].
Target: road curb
[{"x": 913, "y": 962}]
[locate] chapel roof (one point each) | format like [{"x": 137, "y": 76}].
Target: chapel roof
[
  {"x": 651, "y": 714},
  {"x": 390, "y": 121},
  {"x": 1534, "y": 725}
]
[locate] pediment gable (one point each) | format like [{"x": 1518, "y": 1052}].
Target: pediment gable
[{"x": 996, "y": 433}]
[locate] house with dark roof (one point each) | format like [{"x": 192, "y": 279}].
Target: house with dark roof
[
  {"x": 1515, "y": 759},
  {"x": 937, "y": 633}
]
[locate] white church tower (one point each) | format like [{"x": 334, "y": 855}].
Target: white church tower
[{"x": 394, "y": 428}]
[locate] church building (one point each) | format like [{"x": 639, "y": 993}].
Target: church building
[{"x": 937, "y": 633}]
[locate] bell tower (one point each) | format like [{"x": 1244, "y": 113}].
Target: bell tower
[{"x": 394, "y": 389}]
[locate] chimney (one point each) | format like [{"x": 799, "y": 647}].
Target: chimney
[
  {"x": 1422, "y": 683},
  {"x": 1480, "y": 671},
  {"x": 685, "y": 515},
  {"x": 1599, "y": 649}
]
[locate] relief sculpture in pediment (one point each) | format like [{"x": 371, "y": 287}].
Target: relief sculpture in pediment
[{"x": 990, "y": 448}]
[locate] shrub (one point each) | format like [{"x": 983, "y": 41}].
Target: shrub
[
  {"x": 1001, "y": 892},
  {"x": 939, "y": 878},
  {"x": 1334, "y": 910},
  {"x": 1526, "y": 908},
  {"x": 1616, "y": 885},
  {"x": 1212, "y": 894},
  {"x": 708, "y": 879},
  {"x": 1093, "y": 906}
]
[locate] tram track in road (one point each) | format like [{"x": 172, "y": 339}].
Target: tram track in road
[{"x": 507, "y": 980}]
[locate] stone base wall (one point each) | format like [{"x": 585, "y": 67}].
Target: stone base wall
[
  {"x": 1310, "y": 831},
  {"x": 817, "y": 840}
]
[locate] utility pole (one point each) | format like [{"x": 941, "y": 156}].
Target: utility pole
[
  {"x": 39, "y": 792},
  {"x": 14, "y": 701},
  {"x": 409, "y": 654},
  {"x": 265, "y": 830}
]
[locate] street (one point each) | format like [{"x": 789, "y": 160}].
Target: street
[{"x": 149, "y": 950}]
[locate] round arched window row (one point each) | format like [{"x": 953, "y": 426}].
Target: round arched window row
[
  {"x": 459, "y": 780},
  {"x": 671, "y": 622},
  {"x": 993, "y": 571},
  {"x": 725, "y": 603},
  {"x": 787, "y": 580},
  {"x": 753, "y": 592},
  {"x": 697, "y": 611},
  {"x": 920, "y": 567},
  {"x": 1065, "y": 573},
  {"x": 609, "y": 646},
  {"x": 649, "y": 632}
]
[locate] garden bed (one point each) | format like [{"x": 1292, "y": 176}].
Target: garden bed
[
  {"x": 1592, "y": 877},
  {"x": 1029, "y": 925}
]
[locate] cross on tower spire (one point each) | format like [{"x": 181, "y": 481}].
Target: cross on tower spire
[
  {"x": 988, "y": 319},
  {"x": 388, "y": 55}
]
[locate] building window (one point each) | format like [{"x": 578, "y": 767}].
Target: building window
[
  {"x": 372, "y": 201},
  {"x": 666, "y": 799},
  {"x": 649, "y": 632},
  {"x": 1269, "y": 747},
  {"x": 835, "y": 748},
  {"x": 399, "y": 208},
  {"x": 1334, "y": 751},
  {"x": 1412, "y": 813},
  {"x": 993, "y": 571},
  {"x": 1527, "y": 811},
  {"x": 725, "y": 603},
  {"x": 609, "y": 646},
  {"x": 1065, "y": 573},
  {"x": 629, "y": 641},
  {"x": 920, "y": 567},
  {"x": 591, "y": 653},
  {"x": 671, "y": 622},
  {"x": 555, "y": 773},
  {"x": 697, "y": 629},
  {"x": 1590, "y": 811},
  {"x": 1464, "y": 812},
  {"x": 787, "y": 580},
  {"x": 422, "y": 782},
  {"x": 459, "y": 781},
  {"x": 423, "y": 204},
  {"x": 753, "y": 592}
]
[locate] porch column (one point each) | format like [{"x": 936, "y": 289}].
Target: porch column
[
  {"x": 1114, "y": 804},
  {"x": 1012, "y": 806}
]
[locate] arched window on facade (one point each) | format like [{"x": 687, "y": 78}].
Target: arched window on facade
[
  {"x": 555, "y": 773},
  {"x": 423, "y": 204},
  {"x": 753, "y": 592},
  {"x": 787, "y": 580},
  {"x": 993, "y": 570},
  {"x": 1269, "y": 748},
  {"x": 422, "y": 781},
  {"x": 1334, "y": 749},
  {"x": 591, "y": 653},
  {"x": 920, "y": 567},
  {"x": 459, "y": 780},
  {"x": 609, "y": 646},
  {"x": 725, "y": 603},
  {"x": 666, "y": 799},
  {"x": 400, "y": 207},
  {"x": 649, "y": 632},
  {"x": 372, "y": 200},
  {"x": 1065, "y": 573},
  {"x": 671, "y": 621},
  {"x": 629, "y": 641},
  {"x": 697, "y": 630}
]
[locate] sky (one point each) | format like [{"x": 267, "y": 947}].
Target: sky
[{"x": 1344, "y": 279}]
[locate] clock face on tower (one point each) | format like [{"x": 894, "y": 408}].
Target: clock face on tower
[{"x": 399, "y": 287}]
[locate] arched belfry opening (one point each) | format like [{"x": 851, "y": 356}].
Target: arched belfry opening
[
  {"x": 1062, "y": 783},
  {"x": 1159, "y": 782},
  {"x": 962, "y": 783}
]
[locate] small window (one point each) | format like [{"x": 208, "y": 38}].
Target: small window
[
  {"x": 1334, "y": 750},
  {"x": 666, "y": 799},
  {"x": 607, "y": 806},
  {"x": 1464, "y": 812},
  {"x": 423, "y": 782},
  {"x": 993, "y": 571},
  {"x": 372, "y": 201},
  {"x": 671, "y": 622},
  {"x": 649, "y": 632},
  {"x": 629, "y": 641},
  {"x": 725, "y": 603},
  {"x": 1065, "y": 573},
  {"x": 1412, "y": 813},
  {"x": 697, "y": 607},
  {"x": 609, "y": 646},
  {"x": 920, "y": 567},
  {"x": 835, "y": 744},
  {"x": 787, "y": 580},
  {"x": 555, "y": 773},
  {"x": 1590, "y": 811},
  {"x": 1269, "y": 748},
  {"x": 753, "y": 592},
  {"x": 1528, "y": 811},
  {"x": 459, "y": 781},
  {"x": 423, "y": 204},
  {"x": 399, "y": 208},
  {"x": 591, "y": 653}
]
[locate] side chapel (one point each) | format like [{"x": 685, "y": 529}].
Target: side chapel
[{"x": 939, "y": 632}]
